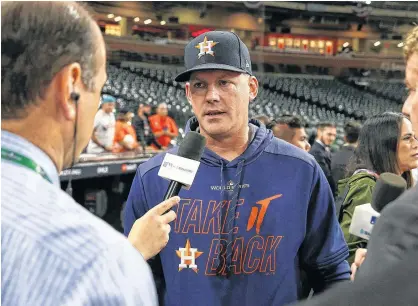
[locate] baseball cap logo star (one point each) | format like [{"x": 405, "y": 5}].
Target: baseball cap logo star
[{"x": 205, "y": 47}]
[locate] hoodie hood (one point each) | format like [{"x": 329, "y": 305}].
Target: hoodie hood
[{"x": 261, "y": 138}]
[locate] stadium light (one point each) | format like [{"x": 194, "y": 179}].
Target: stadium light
[
  {"x": 400, "y": 45},
  {"x": 346, "y": 44},
  {"x": 377, "y": 43},
  {"x": 136, "y": 19},
  {"x": 110, "y": 16},
  {"x": 368, "y": 2},
  {"x": 162, "y": 22},
  {"x": 148, "y": 21},
  {"x": 117, "y": 19}
]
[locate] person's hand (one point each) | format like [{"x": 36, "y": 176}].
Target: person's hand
[
  {"x": 150, "y": 233},
  {"x": 358, "y": 261}
]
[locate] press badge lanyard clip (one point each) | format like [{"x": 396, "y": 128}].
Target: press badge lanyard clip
[{"x": 24, "y": 161}]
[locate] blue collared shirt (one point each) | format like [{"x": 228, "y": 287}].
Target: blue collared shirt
[{"x": 53, "y": 251}]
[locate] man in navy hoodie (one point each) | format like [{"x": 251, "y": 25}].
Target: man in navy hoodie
[{"x": 260, "y": 211}]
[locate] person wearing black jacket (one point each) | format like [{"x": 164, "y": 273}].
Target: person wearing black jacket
[
  {"x": 326, "y": 134},
  {"x": 340, "y": 159},
  {"x": 142, "y": 128},
  {"x": 389, "y": 272}
]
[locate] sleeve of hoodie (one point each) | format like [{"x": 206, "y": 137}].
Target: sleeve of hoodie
[
  {"x": 324, "y": 251},
  {"x": 135, "y": 208}
]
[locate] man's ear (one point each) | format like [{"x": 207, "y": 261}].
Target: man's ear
[
  {"x": 253, "y": 84},
  {"x": 68, "y": 81}
]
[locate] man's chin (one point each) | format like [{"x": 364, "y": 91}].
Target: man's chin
[{"x": 214, "y": 130}]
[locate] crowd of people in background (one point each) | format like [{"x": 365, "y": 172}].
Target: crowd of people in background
[
  {"x": 385, "y": 143},
  {"x": 129, "y": 132}
]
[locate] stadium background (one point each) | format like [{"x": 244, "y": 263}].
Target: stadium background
[{"x": 323, "y": 61}]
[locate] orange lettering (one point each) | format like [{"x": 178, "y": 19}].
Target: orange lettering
[
  {"x": 269, "y": 256},
  {"x": 239, "y": 203},
  {"x": 216, "y": 248},
  {"x": 252, "y": 218},
  {"x": 179, "y": 212},
  {"x": 263, "y": 209},
  {"x": 213, "y": 212},
  {"x": 249, "y": 266},
  {"x": 236, "y": 260},
  {"x": 194, "y": 218},
  {"x": 225, "y": 218}
]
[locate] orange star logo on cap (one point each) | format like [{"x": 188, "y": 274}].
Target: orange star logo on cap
[{"x": 205, "y": 47}]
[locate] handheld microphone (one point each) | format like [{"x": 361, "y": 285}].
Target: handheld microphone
[
  {"x": 388, "y": 188},
  {"x": 181, "y": 169}
]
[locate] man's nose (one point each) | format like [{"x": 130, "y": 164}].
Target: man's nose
[{"x": 212, "y": 94}]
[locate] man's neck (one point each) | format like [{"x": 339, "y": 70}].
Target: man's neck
[
  {"x": 38, "y": 135},
  {"x": 231, "y": 147}
]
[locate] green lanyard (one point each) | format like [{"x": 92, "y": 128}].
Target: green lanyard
[{"x": 24, "y": 161}]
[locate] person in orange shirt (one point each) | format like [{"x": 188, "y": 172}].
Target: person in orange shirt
[
  {"x": 125, "y": 135},
  {"x": 163, "y": 126}
]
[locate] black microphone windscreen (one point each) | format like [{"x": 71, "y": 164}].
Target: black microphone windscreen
[
  {"x": 192, "y": 146},
  {"x": 388, "y": 188}
]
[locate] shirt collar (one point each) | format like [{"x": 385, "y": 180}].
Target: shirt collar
[
  {"x": 321, "y": 143},
  {"x": 20, "y": 145}
]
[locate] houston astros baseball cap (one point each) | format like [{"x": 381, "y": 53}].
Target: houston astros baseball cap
[{"x": 215, "y": 50}]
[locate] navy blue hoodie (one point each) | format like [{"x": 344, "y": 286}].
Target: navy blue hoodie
[{"x": 246, "y": 228}]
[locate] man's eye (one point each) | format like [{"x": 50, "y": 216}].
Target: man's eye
[
  {"x": 198, "y": 85},
  {"x": 223, "y": 82}
]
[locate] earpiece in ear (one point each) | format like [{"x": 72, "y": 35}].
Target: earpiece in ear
[{"x": 75, "y": 96}]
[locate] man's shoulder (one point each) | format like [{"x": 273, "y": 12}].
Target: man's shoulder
[
  {"x": 54, "y": 223},
  {"x": 281, "y": 148},
  {"x": 316, "y": 147}
]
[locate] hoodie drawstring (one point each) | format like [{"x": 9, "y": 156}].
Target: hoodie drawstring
[{"x": 230, "y": 222}]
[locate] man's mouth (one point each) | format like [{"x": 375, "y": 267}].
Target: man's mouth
[{"x": 214, "y": 113}]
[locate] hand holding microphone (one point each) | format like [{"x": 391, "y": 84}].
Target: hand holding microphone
[{"x": 150, "y": 233}]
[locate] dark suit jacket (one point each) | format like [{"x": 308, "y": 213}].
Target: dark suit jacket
[
  {"x": 389, "y": 275},
  {"x": 394, "y": 235},
  {"x": 391, "y": 285},
  {"x": 339, "y": 163},
  {"x": 324, "y": 160}
]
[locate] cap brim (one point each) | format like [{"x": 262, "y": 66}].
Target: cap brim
[{"x": 185, "y": 76}]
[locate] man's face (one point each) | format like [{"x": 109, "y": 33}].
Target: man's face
[
  {"x": 89, "y": 101},
  {"x": 300, "y": 139},
  {"x": 328, "y": 135},
  {"x": 108, "y": 107},
  {"x": 220, "y": 100},
  {"x": 162, "y": 110},
  {"x": 410, "y": 108},
  {"x": 147, "y": 109}
]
